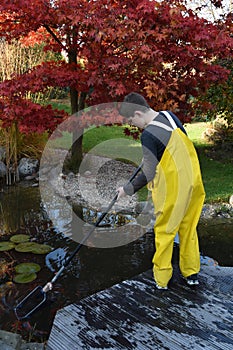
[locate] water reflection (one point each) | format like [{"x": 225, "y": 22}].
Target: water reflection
[
  {"x": 93, "y": 269},
  {"x": 20, "y": 207},
  {"x": 216, "y": 239}
]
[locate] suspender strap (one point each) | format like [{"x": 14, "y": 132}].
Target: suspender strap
[
  {"x": 171, "y": 120},
  {"x": 164, "y": 126},
  {"x": 161, "y": 125}
]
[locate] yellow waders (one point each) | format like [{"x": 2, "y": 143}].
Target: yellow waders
[{"x": 178, "y": 196}]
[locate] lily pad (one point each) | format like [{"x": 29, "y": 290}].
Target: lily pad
[
  {"x": 27, "y": 268},
  {"x": 32, "y": 247},
  {"x": 25, "y": 277},
  {"x": 6, "y": 246},
  {"x": 20, "y": 238},
  {"x": 41, "y": 249},
  {"x": 26, "y": 247}
]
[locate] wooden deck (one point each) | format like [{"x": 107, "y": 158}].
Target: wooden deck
[{"x": 134, "y": 315}]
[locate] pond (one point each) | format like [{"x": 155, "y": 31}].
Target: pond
[{"x": 92, "y": 270}]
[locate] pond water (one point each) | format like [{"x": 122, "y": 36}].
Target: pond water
[{"x": 93, "y": 269}]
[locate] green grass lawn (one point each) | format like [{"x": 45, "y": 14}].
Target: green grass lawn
[
  {"x": 217, "y": 175},
  {"x": 217, "y": 178},
  {"x": 111, "y": 142},
  {"x": 195, "y": 132},
  {"x": 65, "y": 106}
]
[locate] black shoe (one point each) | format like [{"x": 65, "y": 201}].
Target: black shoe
[
  {"x": 192, "y": 280},
  {"x": 160, "y": 287}
]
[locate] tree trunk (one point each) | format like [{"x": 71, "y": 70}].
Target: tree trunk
[
  {"x": 77, "y": 103},
  {"x": 76, "y": 149}
]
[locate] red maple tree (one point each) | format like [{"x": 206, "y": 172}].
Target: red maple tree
[{"x": 158, "y": 48}]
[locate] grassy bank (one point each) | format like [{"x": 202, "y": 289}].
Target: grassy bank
[
  {"x": 217, "y": 175},
  {"x": 216, "y": 171}
]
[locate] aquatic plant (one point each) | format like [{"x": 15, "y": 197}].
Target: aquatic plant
[
  {"x": 20, "y": 238},
  {"x": 24, "y": 278},
  {"x": 6, "y": 245},
  {"x": 21, "y": 243},
  {"x": 25, "y": 272}
]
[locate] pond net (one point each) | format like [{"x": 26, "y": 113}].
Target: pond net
[{"x": 30, "y": 303}]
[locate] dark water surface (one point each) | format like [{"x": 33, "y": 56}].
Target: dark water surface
[{"x": 93, "y": 269}]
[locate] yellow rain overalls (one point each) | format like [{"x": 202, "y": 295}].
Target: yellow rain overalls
[{"x": 178, "y": 196}]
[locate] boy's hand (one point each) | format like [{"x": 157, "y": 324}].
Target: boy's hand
[{"x": 121, "y": 193}]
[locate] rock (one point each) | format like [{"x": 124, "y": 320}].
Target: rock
[
  {"x": 14, "y": 341},
  {"x": 30, "y": 177},
  {"x": 71, "y": 175},
  {"x": 3, "y": 169},
  {"x": 10, "y": 341},
  {"x": 231, "y": 200},
  {"x": 63, "y": 176},
  {"x": 222, "y": 210},
  {"x": 87, "y": 173},
  {"x": 54, "y": 173},
  {"x": 145, "y": 207},
  {"x": 28, "y": 167},
  {"x": 4, "y": 346},
  {"x": 209, "y": 134}
]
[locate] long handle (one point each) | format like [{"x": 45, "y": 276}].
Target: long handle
[{"x": 48, "y": 286}]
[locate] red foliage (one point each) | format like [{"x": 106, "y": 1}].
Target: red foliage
[
  {"x": 30, "y": 117},
  {"x": 36, "y": 37},
  {"x": 133, "y": 132},
  {"x": 160, "y": 49}
]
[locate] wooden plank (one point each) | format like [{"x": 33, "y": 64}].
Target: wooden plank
[{"x": 134, "y": 315}]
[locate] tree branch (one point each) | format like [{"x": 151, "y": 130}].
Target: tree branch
[{"x": 49, "y": 30}]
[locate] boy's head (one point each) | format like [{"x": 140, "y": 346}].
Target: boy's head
[{"x": 133, "y": 102}]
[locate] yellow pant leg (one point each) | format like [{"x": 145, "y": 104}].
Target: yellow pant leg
[
  {"x": 189, "y": 246},
  {"x": 162, "y": 260},
  {"x": 178, "y": 195}
]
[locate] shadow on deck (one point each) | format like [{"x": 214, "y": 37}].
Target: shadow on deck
[{"x": 134, "y": 315}]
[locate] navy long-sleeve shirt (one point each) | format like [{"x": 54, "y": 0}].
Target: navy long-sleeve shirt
[{"x": 154, "y": 140}]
